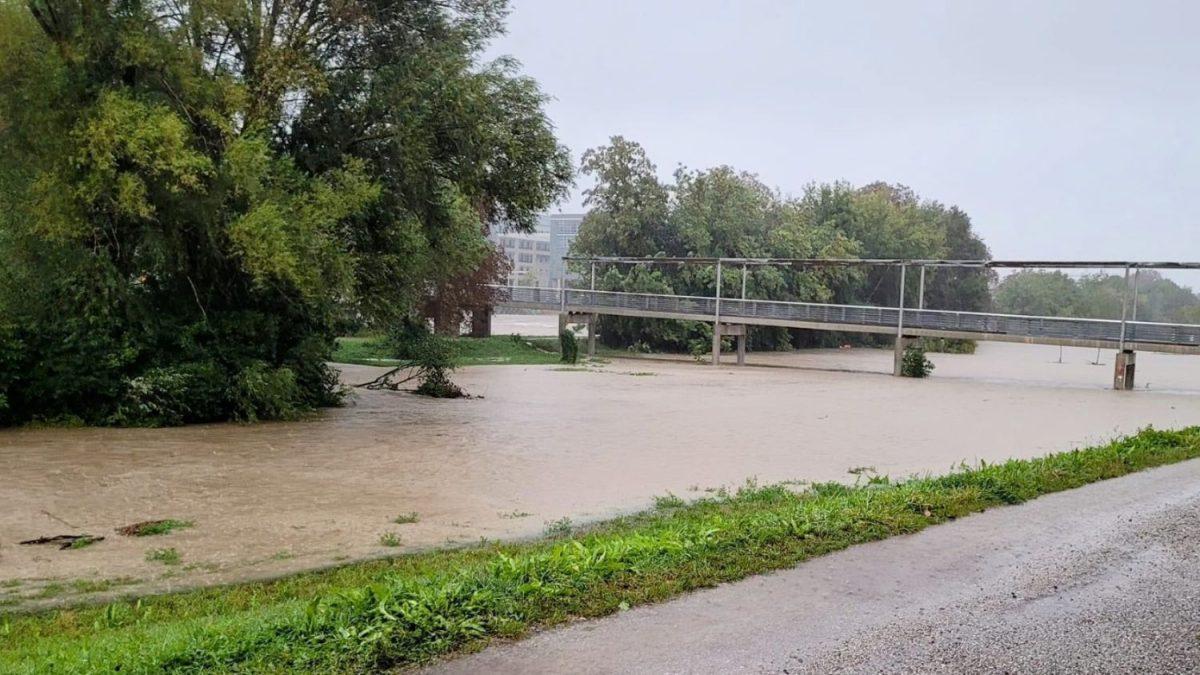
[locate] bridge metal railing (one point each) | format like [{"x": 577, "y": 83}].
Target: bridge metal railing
[{"x": 732, "y": 309}]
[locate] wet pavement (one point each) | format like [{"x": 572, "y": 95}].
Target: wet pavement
[{"x": 1101, "y": 579}]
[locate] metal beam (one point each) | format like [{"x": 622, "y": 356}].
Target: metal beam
[{"x": 894, "y": 262}]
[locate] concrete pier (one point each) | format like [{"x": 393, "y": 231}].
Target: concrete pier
[
  {"x": 1123, "y": 370},
  {"x": 481, "y": 322},
  {"x": 737, "y": 330},
  {"x": 898, "y": 359},
  {"x": 593, "y": 319},
  {"x": 716, "y": 344}
]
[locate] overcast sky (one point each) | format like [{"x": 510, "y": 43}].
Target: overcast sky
[{"x": 1065, "y": 129}]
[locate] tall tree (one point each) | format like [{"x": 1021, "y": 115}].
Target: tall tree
[
  {"x": 721, "y": 212},
  {"x": 193, "y": 189}
]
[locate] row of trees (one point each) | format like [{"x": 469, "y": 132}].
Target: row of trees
[
  {"x": 1098, "y": 296},
  {"x": 193, "y": 193},
  {"x": 721, "y": 212}
]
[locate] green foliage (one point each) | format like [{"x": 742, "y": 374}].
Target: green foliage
[
  {"x": 192, "y": 204},
  {"x": 721, "y": 212},
  {"x": 1097, "y": 296},
  {"x": 559, "y": 528},
  {"x": 435, "y": 359},
  {"x": 432, "y": 355},
  {"x": 468, "y": 351},
  {"x": 914, "y": 363},
  {"x": 948, "y": 345},
  {"x": 152, "y": 528},
  {"x": 569, "y": 347},
  {"x": 166, "y": 556},
  {"x": 382, "y": 615}
]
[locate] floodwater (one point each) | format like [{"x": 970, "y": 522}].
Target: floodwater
[{"x": 541, "y": 444}]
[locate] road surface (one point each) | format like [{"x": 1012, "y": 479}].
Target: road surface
[{"x": 1105, "y": 578}]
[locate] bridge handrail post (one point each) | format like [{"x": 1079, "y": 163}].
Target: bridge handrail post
[
  {"x": 1124, "y": 308},
  {"x": 717, "y": 312},
  {"x": 921, "y": 292}
]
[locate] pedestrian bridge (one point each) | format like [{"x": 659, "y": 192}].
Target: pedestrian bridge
[{"x": 905, "y": 322}]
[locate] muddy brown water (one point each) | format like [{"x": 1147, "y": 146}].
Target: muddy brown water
[{"x": 542, "y": 444}]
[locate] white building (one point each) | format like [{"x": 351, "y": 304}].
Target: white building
[{"x": 537, "y": 257}]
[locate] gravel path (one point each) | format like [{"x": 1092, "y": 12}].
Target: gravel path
[{"x": 1096, "y": 580}]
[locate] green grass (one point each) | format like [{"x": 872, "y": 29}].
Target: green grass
[
  {"x": 407, "y": 518},
  {"x": 166, "y": 556},
  {"x": 99, "y": 585},
  {"x": 152, "y": 528},
  {"x": 388, "y": 613},
  {"x": 389, "y": 539},
  {"x": 496, "y": 350}
]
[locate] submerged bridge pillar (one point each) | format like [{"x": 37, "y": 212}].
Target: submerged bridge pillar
[
  {"x": 1123, "y": 372},
  {"x": 481, "y": 321},
  {"x": 732, "y": 329},
  {"x": 591, "y": 320},
  {"x": 902, "y": 343}
]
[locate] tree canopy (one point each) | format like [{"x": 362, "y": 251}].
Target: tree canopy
[
  {"x": 1096, "y": 296},
  {"x": 193, "y": 192},
  {"x": 723, "y": 212}
]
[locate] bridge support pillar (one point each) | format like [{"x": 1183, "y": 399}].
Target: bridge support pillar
[
  {"x": 1123, "y": 372},
  {"x": 902, "y": 343},
  {"x": 721, "y": 330},
  {"x": 592, "y": 321},
  {"x": 716, "y": 344},
  {"x": 481, "y": 322},
  {"x": 562, "y": 322}
]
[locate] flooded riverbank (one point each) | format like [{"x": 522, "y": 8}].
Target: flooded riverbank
[{"x": 542, "y": 444}]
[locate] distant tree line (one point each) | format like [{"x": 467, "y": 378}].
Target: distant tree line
[
  {"x": 722, "y": 212},
  {"x": 1097, "y": 296}
]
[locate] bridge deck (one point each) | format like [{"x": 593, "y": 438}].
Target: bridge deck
[{"x": 1104, "y": 333}]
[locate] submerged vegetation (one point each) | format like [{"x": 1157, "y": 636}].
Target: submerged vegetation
[
  {"x": 569, "y": 347},
  {"x": 383, "y": 614},
  {"x": 914, "y": 363},
  {"x": 466, "y": 351}
]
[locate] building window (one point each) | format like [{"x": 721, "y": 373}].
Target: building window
[
  {"x": 525, "y": 258},
  {"x": 526, "y": 245},
  {"x": 543, "y": 246},
  {"x": 543, "y": 260},
  {"x": 510, "y": 243}
]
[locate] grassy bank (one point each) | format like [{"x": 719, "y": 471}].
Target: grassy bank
[
  {"x": 377, "y": 615},
  {"x": 497, "y": 350}
]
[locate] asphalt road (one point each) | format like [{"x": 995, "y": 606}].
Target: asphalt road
[{"x": 1101, "y": 579}]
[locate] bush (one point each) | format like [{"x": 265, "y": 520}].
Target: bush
[
  {"x": 433, "y": 356},
  {"x": 263, "y": 392},
  {"x": 435, "y": 359},
  {"x": 948, "y": 346},
  {"x": 569, "y": 345},
  {"x": 914, "y": 363}
]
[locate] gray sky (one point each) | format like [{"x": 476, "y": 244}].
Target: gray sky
[{"x": 1065, "y": 129}]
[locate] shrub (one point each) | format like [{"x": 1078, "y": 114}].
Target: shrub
[
  {"x": 948, "y": 346},
  {"x": 570, "y": 346},
  {"x": 914, "y": 363},
  {"x": 263, "y": 392}
]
